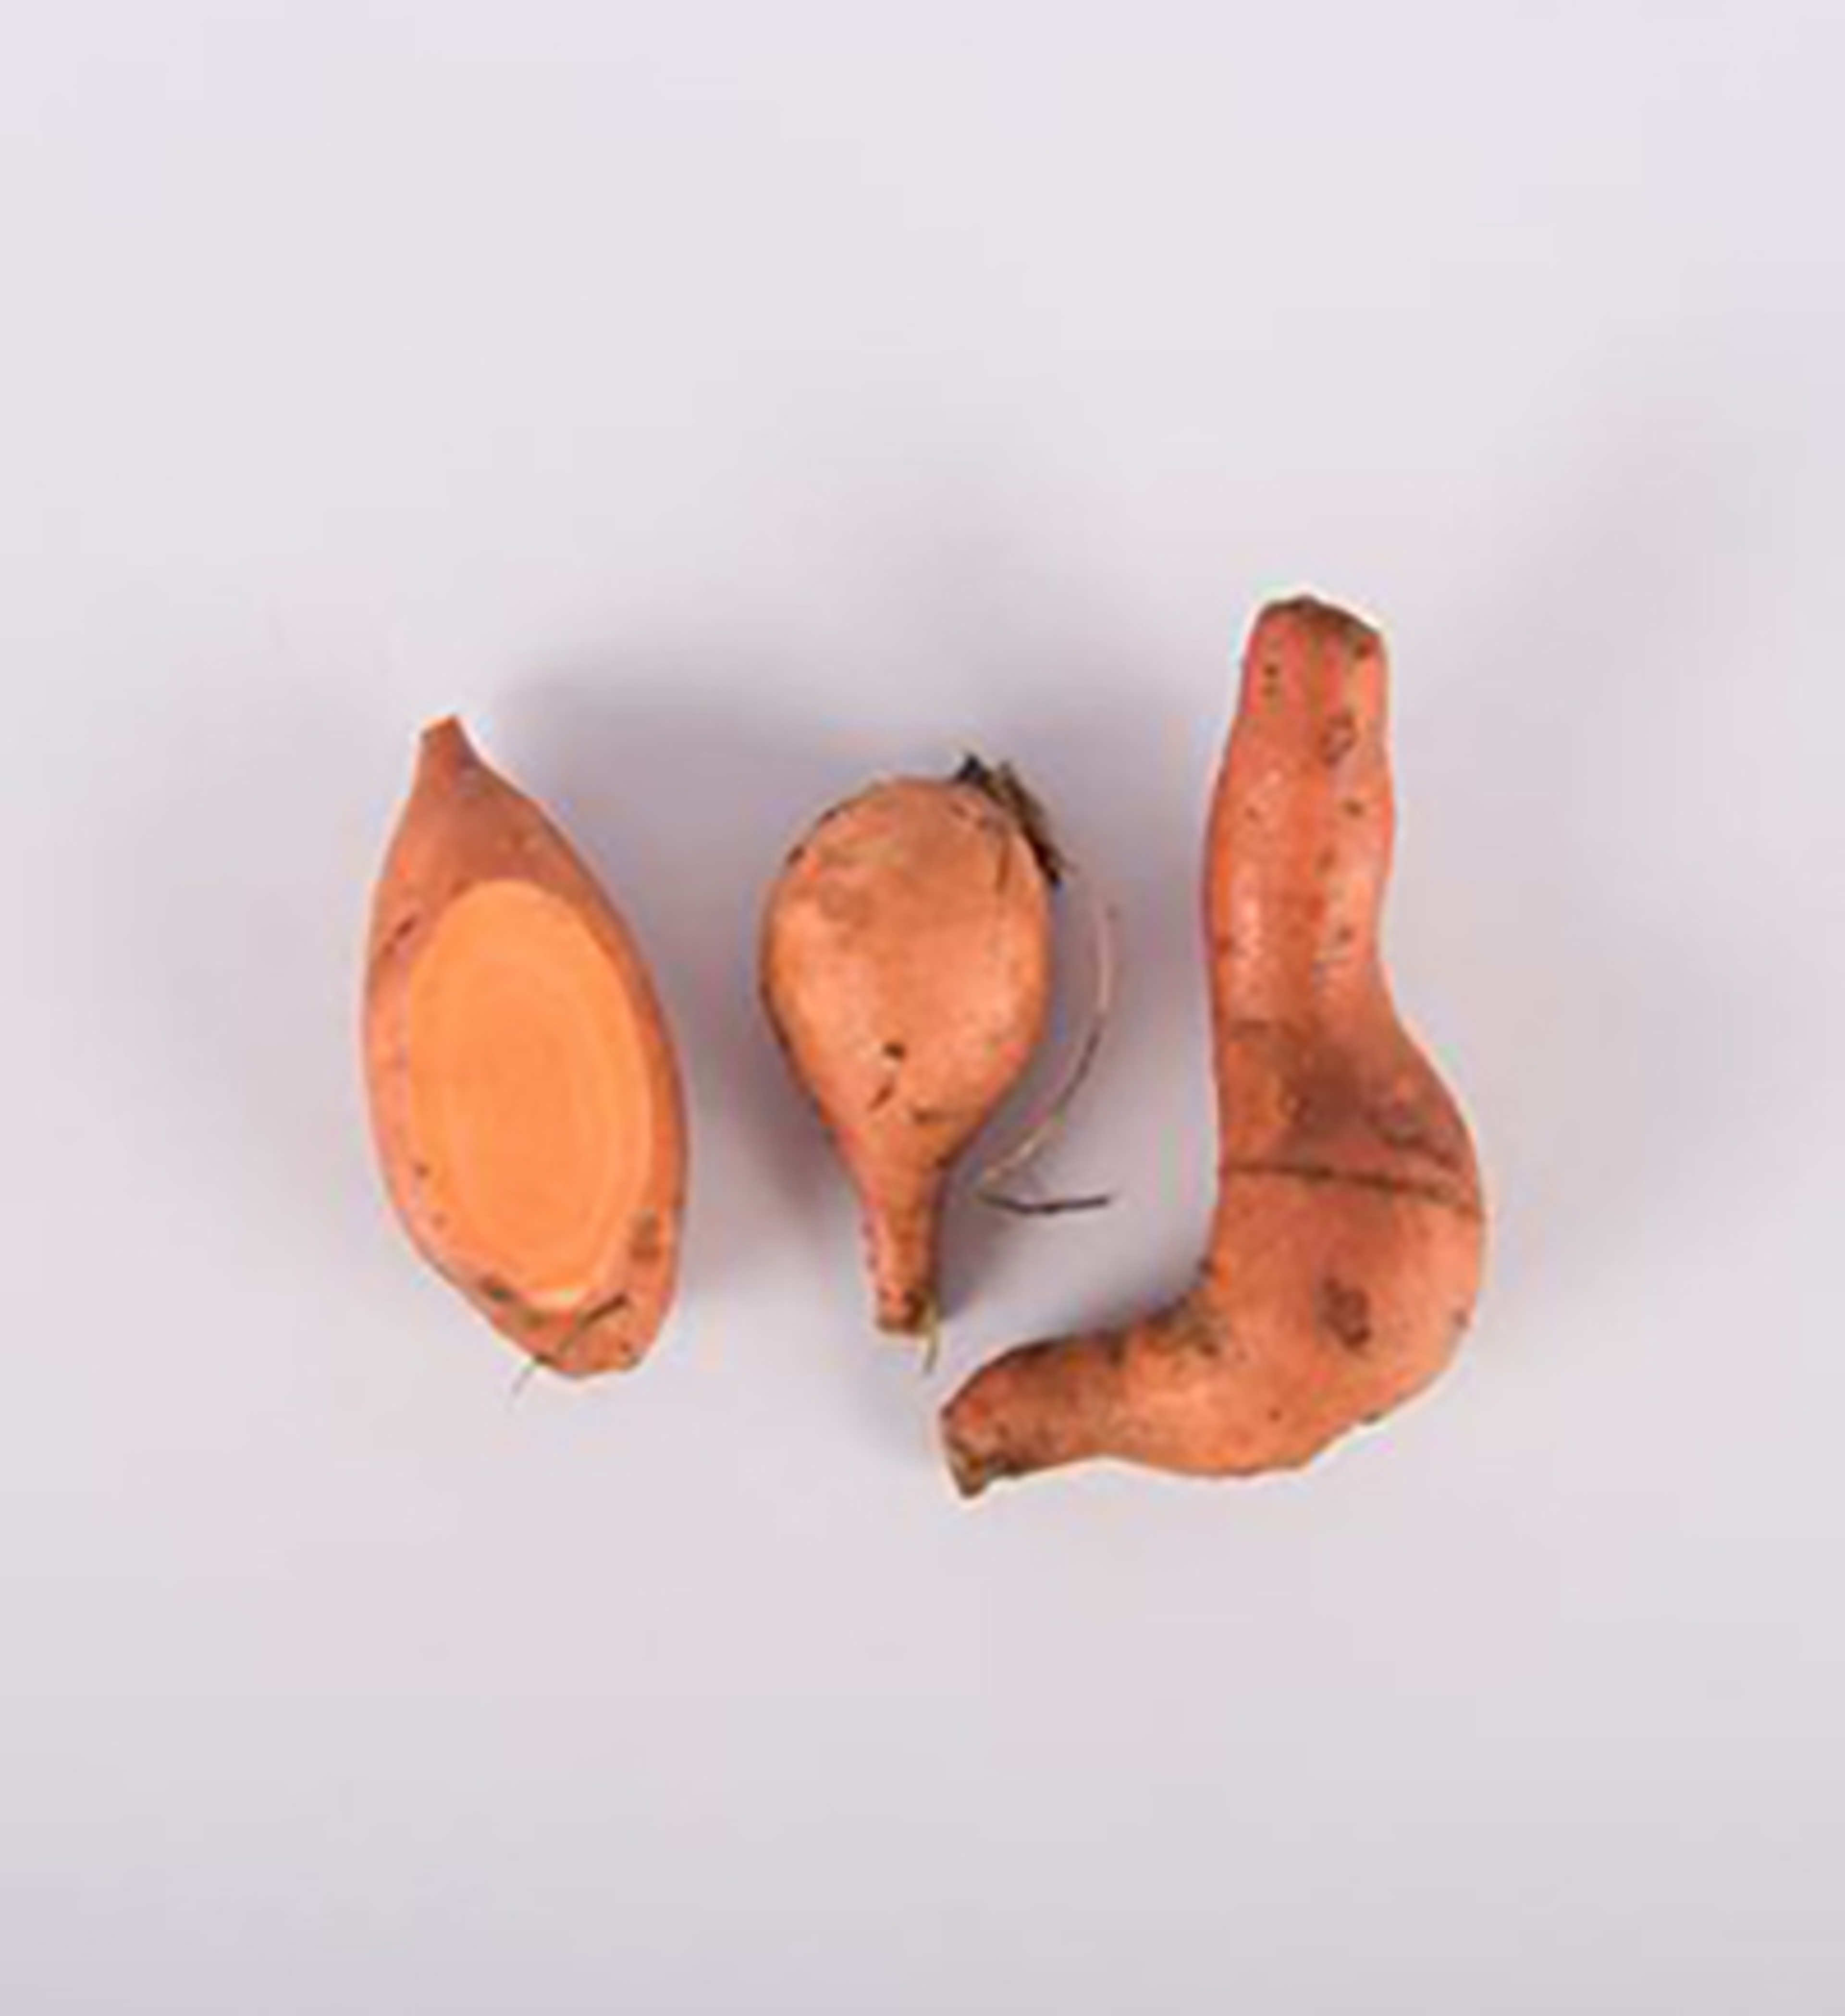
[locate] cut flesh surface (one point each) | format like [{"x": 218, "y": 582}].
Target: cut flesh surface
[{"x": 530, "y": 1098}]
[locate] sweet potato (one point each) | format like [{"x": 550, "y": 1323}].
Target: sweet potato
[
  {"x": 1346, "y": 1252},
  {"x": 524, "y": 1093},
  {"x": 906, "y": 968}
]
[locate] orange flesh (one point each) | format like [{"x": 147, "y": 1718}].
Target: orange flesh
[{"x": 527, "y": 1075}]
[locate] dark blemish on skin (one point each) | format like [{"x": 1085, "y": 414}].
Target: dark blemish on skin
[
  {"x": 611, "y": 1306},
  {"x": 927, "y": 1116},
  {"x": 1406, "y": 1127},
  {"x": 1399, "y": 1123},
  {"x": 894, "y": 1054},
  {"x": 1271, "y": 679},
  {"x": 496, "y": 1290},
  {"x": 1354, "y": 808},
  {"x": 644, "y": 1242},
  {"x": 1346, "y": 1312},
  {"x": 1190, "y": 1328},
  {"x": 1339, "y": 737}
]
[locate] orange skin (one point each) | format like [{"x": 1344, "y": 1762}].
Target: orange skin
[
  {"x": 906, "y": 967},
  {"x": 1346, "y": 1253},
  {"x": 525, "y": 1097}
]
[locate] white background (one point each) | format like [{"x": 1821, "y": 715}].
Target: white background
[{"x": 720, "y": 404}]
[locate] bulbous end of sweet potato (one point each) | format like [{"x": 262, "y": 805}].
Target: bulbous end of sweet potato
[{"x": 524, "y": 1093}]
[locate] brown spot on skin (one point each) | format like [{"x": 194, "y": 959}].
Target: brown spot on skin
[
  {"x": 894, "y": 1053},
  {"x": 1339, "y": 737},
  {"x": 928, "y": 1116},
  {"x": 570, "y": 1345},
  {"x": 1271, "y": 680},
  {"x": 496, "y": 1290},
  {"x": 1346, "y": 1312},
  {"x": 1189, "y": 1327},
  {"x": 643, "y": 1241},
  {"x": 1354, "y": 808},
  {"x": 1402, "y": 1124},
  {"x": 911, "y": 1315}
]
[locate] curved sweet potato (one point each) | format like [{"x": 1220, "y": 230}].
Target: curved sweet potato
[{"x": 1346, "y": 1250}]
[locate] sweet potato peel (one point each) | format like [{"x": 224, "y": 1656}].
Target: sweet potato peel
[
  {"x": 906, "y": 969},
  {"x": 1346, "y": 1253},
  {"x": 525, "y": 1097}
]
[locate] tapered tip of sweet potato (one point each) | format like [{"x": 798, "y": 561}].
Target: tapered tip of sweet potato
[
  {"x": 446, "y": 750},
  {"x": 1309, "y": 618},
  {"x": 906, "y": 1310},
  {"x": 1033, "y": 1408},
  {"x": 973, "y": 1469}
]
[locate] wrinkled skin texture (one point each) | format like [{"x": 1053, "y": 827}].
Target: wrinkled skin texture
[
  {"x": 906, "y": 968},
  {"x": 525, "y": 1097},
  {"x": 1346, "y": 1253}
]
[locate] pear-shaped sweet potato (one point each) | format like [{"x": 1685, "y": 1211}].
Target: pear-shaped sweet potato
[{"x": 906, "y": 968}]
